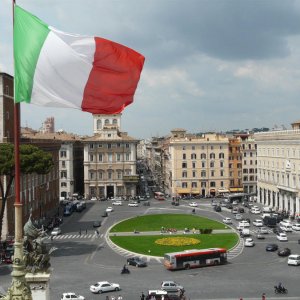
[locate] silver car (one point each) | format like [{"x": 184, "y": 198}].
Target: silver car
[{"x": 171, "y": 286}]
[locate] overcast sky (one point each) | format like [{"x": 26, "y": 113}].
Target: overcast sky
[{"x": 210, "y": 65}]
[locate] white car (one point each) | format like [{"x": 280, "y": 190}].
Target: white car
[
  {"x": 56, "y": 231},
  {"x": 249, "y": 242},
  {"x": 133, "y": 204},
  {"x": 294, "y": 260},
  {"x": 227, "y": 221},
  {"x": 258, "y": 223},
  {"x": 193, "y": 204},
  {"x": 94, "y": 199},
  {"x": 238, "y": 217},
  {"x": 244, "y": 223},
  {"x": 296, "y": 227},
  {"x": 73, "y": 296},
  {"x": 282, "y": 237},
  {"x": 263, "y": 230},
  {"x": 109, "y": 209},
  {"x": 104, "y": 286},
  {"x": 117, "y": 202}
]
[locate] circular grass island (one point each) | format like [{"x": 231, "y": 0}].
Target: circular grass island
[{"x": 163, "y": 233}]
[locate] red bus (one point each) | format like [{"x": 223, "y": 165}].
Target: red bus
[
  {"x": 195, "y": 258},
  {"x": 159, "y": 196}
]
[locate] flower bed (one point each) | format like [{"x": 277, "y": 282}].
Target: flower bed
[{"x": 177, "y": 241}]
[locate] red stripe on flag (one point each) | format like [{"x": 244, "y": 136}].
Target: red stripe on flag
[{"x": 113, "y": 79}]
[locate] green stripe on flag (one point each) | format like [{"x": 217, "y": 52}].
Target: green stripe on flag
[{"x": 30, "y": 34}]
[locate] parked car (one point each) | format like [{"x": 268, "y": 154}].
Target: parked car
[
  {"x": 260, "y": 236},
  {"x": 284, "y": 252},
  {"x": 109, "y": 209},
  {"x": 104, "y": 214},
  {"x": 171, "y": 286},
  {"x": 56, "y": 231},
  {"x": 133, "y": 204},
  {"x": 272, "y": 247},
  {"x": 227, "y": 221},
  {"x": 244, "y": 223},
  {"x": 104, "y": 286},
  {"x": 294, "y": 260},
  {"x": 258, "y": 223},
  {"x": 249, "y": 242},
  {"x": 229, "y": 206},
  {"x": 136, "y": 261},
  {"x": 234, "y": 210},
  {"x": 217, "y": 208},
  {"x": 241, "y": 210},
  {"x": 282, "y": 237},
  {"x": 193, "y": 204},
  {"x": 73, "y": 296}
]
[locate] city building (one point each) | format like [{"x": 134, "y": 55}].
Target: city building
[
  {"x": 110, "y": 158},
  {"x": 199, "y": 163},
  {"x": 278, "y": 169}
]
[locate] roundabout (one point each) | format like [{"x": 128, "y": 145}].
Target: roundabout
[{"x": 157, "y": 234}]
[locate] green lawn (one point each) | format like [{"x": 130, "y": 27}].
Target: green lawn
[
  {"x": 142, "y": 244},
  {"x": 155, "y": 222}
]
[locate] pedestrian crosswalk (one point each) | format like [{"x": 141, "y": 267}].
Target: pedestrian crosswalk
[{"x": 74, "y": 236}]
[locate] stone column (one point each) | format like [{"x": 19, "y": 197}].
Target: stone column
[
  {"x": 39, "y": 285},
  {"x": 280, "y": 201}
]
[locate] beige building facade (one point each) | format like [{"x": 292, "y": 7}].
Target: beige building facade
[
  {"x": 278, "y": 165},
  {"x": 199, "y": 164}
]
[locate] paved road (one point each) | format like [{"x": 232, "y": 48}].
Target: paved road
[{"x": 81, "y": 260}]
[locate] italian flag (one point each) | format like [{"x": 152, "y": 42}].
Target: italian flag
[{"x": 58, "y": 69}]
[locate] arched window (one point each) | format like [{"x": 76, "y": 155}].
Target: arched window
[
  {"x": 99, "y": 124},
  {"x": 212, "y": 156},
  {"x": 203, "y": 156},
  {"x": 221, "y": 155},
  {"x": 212, "y": 164},
  {"x": 106, "y": 122},
  {"x": 115, "y": 121},
  {"x": 193, "y": 156}
]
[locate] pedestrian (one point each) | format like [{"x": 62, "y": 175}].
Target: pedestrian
[
  {"x": 263, "y": 296},
  {"x": 106, "y": 298},
  {"x": 97, "y": 232},
  {"x": 80, "y": 231},
  {"x": 86, "y": 231},
  {"x": 142, "y": 296},
  {"x": 113, "y": 298},
  {"x": 120, "y": 297}
]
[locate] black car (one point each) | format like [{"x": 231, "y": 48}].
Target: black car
[
  {"x": 136, "y": 261},
  {"x": 272, "y": 247},
  {"x": 284, "y": 252},
  {"x": 96, "y": 224},
  {"x": 229, "y": 206},
  {"x": 277, "y": 230},
  {"x": 241, "y": 210},
  {"x": 218, "y": 208},
  {"x": 104, "y": 214}
]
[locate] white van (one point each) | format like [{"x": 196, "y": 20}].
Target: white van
[
  {"x": 267, "y": 209},
  {"x": 286, "y": 227},
  {"x": 294, "y": 260}
]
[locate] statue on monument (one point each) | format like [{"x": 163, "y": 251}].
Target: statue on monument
[{"x": 36, "y": 255}]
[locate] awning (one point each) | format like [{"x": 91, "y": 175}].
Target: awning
[
  {"x": 236, "y": 189},
  {"x": 195, "y": 191},
  {"x": 223, "y": 191},
  {"x": 212, "y": 190},
  {"x": 183, "y": 191}
]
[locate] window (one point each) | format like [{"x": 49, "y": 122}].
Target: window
[
  {"x": 194, "y": 184},
  {"x": 63, "y": 174},
  {"x": 212, "y": 184},
  {"x": 127, "y": 156},
  {"x": 184, "y": 174},
  {"x": 91, "y": 146},
  {"x": 115, "y": 121},
  {"x": 110, "y": 157},
  {"x": 203, "y": 173},
  {"x": 184, "y": 185},
  {"x": 100, "y": 157},
  {"x": 63, "y": 164},
  {"x": 92, "y": 175},
  {"x": 194, "y": 174},
  {"x": 63, "y": 153},
  {"x": 127, "y": 145},
  {"x": 100, "y": 174},
  {"x": 222, "y": 183},
  {"x": 118, "y": 157},
  {"x": 203, "y": 184},
  {"x": 193, "y": 165},
  {"x": 212, "y": 156},
  {"x": 221, "y": 155},
  {"x": 212, "y": 147},
  {"x": 183, "y": 156},
  {"x": 221, "y": 164},
  {"x": 99, "y": 124},
  {"x": 184, "y": 165},
  {"x": 109, "y": 146},
  {"x": 212, "y": 173},
  {"x": 63, "y": 184},
  {"x": 109, "y": 174},
  {"x": 212, "y": 164},
  {"x": 203, "y": 156},
  {"x": 119, "y": 174},
  {"x": 221, "y": 173},
  {"x": 193, "y": 156},
  {"x": 91, "y": 157},
  {"x": 183, "y": 147},
  {"x": 203, "y": 164},
  {"x": 106, "y": 122}
]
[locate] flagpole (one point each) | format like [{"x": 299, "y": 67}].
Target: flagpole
[{"x": 19, "y": 288}]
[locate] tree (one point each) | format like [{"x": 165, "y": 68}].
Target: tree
[{"x": 32, "y": 160}]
